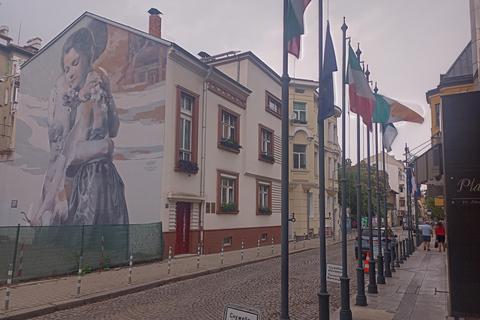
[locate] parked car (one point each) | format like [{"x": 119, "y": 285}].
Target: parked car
[{"x": 366, "y": 240}]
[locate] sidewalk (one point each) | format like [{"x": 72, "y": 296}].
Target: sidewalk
[{"x": 418, "y": 290}]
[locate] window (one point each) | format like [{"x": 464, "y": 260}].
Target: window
[
  {"x": 335, "y": 169},
  {"x": 402, "y": 203},
  {"x": 330, "y": 132},
  {"x": 264, "y": 237},
  {"x": 227, "y": 241},
  {"x": 227, "y": 195},
  {"x": 6, "y": 96},
  {"x": 266, "y": 144},
  {"x": 401, "y": 189},
  {"x": 335, "y": 134},
  {"x": 229, "y": 125},
  {"x": 299, "y": 156},
  {"x": 300, "y": 109},
  {"x": 187, "y": 127},
  {"x": 315, "y": 159},
  {"x": 273, "y": 104},
  {"x": 330, "y": 168},
  {"x": 311, "y": 213},
  {"x": 437, "y": 115},
  {"x": 264, "y": 197},
  {"x": 329, "y": 207}
]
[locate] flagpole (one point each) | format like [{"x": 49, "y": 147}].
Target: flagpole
[
  {"x": 372, "y": 283},
  {"x": 345, "y": 312},
  {"x": 388, "y": 271},
  {"x": 361, "y": 297},
  {"x": 284, "y": 218},
  {"x": 380, "y": 277},
  {"x": 323, "y": 295}
]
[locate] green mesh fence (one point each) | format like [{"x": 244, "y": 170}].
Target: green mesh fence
[{"x": 49, "y": 251}]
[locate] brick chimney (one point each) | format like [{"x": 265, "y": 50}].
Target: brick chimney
[{"x": 155, "y": 23}]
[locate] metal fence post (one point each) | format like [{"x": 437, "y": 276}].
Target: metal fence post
[
  {"x": 79, "y": 280},
  {"x": 169, "y": 258},
  {"x": 16, "y": 248},
  {"x": 222, "y": 251},
  {"x": 272, "y": 244},
  {"x": 130, "y": 268},
  {"x": 101, "y": 259},
  {"x": 242, "y": 249},
  {"x": 21, "y": 261},
  {"x": 258, "y": 247},
  {"x": 198, "y": 256},
  {"x": 81, "y": 244},
  {"x": 9, "y": 283}
]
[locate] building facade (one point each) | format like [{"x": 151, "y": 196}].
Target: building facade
[
  {"x": 11, "y": 58},
  {"x": 304, "y": 164},
  {"x": 119, "y": 126}
]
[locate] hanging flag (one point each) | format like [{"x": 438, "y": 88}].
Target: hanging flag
[
  {"x": 409, "y": 179},
  {"x": 389, "y": 135},
  {"x": 326, "y": 107},
  {"x": 417, "y": 194},
  {"x": 388, "y": 110},
  {"x": 362, "y": 100},
  {"x": 295, "y": 26}
]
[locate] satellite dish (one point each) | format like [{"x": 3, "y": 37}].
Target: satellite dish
[{"x": 292, "y": 116}]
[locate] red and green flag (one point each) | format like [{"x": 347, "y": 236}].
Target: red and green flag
[
  {"x": 362, "y": 100},
  {"x": 295, "y": 26}
]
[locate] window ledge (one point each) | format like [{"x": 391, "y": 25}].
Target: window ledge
[
  {"x": 260, "y": 213},
  {"x": 274, "y": 113},
  {"x": 299, "y": 124},
  {"x": 228, "y": 212},
  {"x": 261, "y": 158},
  {"x": 300, "y": 170},
  {"x": 224, "y": 147}
]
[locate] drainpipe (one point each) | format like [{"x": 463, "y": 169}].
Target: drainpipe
[{"x": 202, "y": 161}]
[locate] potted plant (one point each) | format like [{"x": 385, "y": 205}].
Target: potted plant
[
  {"x": 298, "y": 121},
  {"x": 187, "y": 166},
  {"x": 267, "y": 157},
  {"x": 231, "y": 143},
  {"x": 264, "y": 209},
  {"x": 229, "y": 206},
  {"x": 6, "y": 151}
]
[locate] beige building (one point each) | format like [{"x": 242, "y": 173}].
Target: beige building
[
  {"x": 303, "y": 161},
  {"x": 11, "y": 57},
  {"x": 396, "y": 196}
]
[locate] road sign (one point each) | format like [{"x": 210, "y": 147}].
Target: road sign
[
  {"x": 334, "y": 272},
  {"x": 238, "y": 312}
]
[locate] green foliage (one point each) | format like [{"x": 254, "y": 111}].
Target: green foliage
[
  {"x": 351, "y": 174},
  {"x": 86, "y": 269},
  {"x": 230, "y": 206},
  {"x": 231, "y": 143},
  {"x": 437, "y": 212},
  {"x": 265, "y": 209}
]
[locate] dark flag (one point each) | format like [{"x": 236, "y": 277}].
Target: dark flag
[{"x": 326, "y": 107}]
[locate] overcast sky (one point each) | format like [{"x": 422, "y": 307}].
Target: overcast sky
[{"x": 407, "y": 44}]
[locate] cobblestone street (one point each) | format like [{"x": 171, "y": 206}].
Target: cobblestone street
[{"x": 256, "y": 285}]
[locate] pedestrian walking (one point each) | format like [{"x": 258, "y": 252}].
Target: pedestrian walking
[
  {"x": 427, "y": 234},
  {"x": 440, "y": 233}
]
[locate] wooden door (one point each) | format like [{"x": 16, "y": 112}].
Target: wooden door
[{"x": 182, "y": 228}]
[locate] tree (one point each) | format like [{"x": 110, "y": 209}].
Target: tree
[
  {"x": 351, "y": 188},
  {"x": 437, "y": 212}
]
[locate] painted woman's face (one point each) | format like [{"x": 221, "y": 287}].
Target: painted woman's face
[
  {"x": 74, "y": 68},
  {"x": 56, "y": 146}
]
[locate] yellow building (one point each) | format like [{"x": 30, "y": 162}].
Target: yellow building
[
  {"x": 11, "y": 57},
  {"x": 303, "y": 162}
]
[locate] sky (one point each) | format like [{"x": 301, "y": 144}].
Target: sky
[{"x": 406, "y": 44}]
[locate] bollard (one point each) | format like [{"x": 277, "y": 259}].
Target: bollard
[
  {"x": 21, "y": 261},
  {"x": 242, "y": 249},
  {"x": 397, "y": 253},
  {"x": 304, "y": 239},
  {"x": 169, "y": 258},
  {"x": 9, "y": 283},
  {"x": 222, "y": 252},
  {"x": 258, "y": 247},
  {"x": 295, "y": 243},
  {"x": 198, "y": 256},
  {"x": 393, "y": 253},
  {"x": 101, "y": 259},
  {"x": 272, "y": 244},
  {"x": 130, "y": 269},
  {"x": 79, "y": 280}
]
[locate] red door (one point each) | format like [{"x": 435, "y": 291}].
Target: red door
[{"x": 183, "y": 228}]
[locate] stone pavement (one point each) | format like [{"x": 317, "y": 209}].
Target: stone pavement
[{"x": 418, "y": 290}]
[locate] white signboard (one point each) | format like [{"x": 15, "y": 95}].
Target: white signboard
[
  {"x": 334, "y": 272},
  {"x": 237, "y": 312}
]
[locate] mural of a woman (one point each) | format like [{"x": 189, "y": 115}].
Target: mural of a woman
[{"x": 81, "y": 103}]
